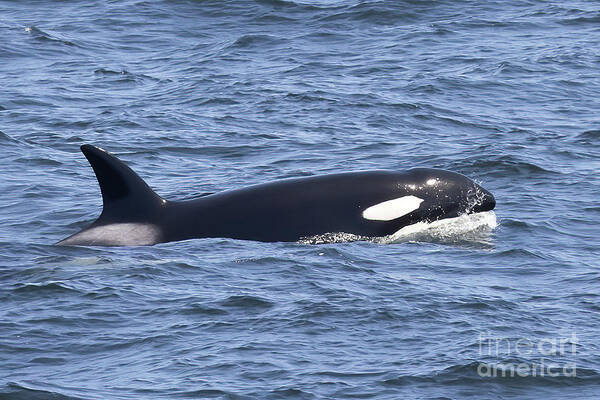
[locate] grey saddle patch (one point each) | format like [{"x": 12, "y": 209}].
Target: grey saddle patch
[{"x": 119, "y": 234}]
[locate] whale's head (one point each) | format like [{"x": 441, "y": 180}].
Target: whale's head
[
  {"x": 431, "y": 194},
  {"x": 446, "y": 194}
]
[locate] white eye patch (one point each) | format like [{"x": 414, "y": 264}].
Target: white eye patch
[{"x": 392, "y": 209}]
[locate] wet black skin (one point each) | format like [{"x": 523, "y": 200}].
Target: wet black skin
[{"x": 285, "y": 210}]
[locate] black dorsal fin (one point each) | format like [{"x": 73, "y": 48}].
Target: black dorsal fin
[{"x": 125, "y": 196}]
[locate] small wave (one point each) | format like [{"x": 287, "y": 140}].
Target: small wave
[
  {"x": 203, "y": 394},
  {"x": 591, "y": 278},
  {"x": 327, "y": 37},
  {"x": 594, "y": 19},
  {"x": 44, "y": 36},
  {"x": 374, "y": 13},
  {"x": 277, "y": 3},
  {"x": 310, "y": 97},
  {"x": 248, "y": 41},
  {"x": 38, "y": 161},
  {"x": 222, "y": 101},
  {"x": 289, "y": 393},
  {"x": 44, "y": 288},
  {"x": 201, "y": 309},
  {"x": 103, "y": 293},
  {"x": 213, "y": 151},
  {"x": 106, "y": 71},
  {"x": 274, "y": 19},
  {"x": 465, "y": 228},
  {"x": 501, "y": 166},
  {"x": 518, "y": 253},
  {"x": 122, "y": 75},
  {"x": 245, "y": 301},
  {"x": 505, "y": 371},
  {"x": 591, "y": 137},
  {"x": 4, "y": 137},
  {"x": 15, "y": 391},
  {"x": 517, "y": 224},
  {"x": 592, "y": 134},
  {"x": 48, "y": 360},
  {"x": 304, "y": 5}
]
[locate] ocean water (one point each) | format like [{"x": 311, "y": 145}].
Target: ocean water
[{"x": 204, "y": 96}]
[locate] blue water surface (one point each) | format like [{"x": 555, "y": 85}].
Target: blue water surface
[{"x": 204, "y": 96}]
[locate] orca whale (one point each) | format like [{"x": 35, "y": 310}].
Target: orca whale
[{"x": 367, "y": 204}]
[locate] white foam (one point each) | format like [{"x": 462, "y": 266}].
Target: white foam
[
  {"x": 392, "y": 209},
  {"x": 339, "y": 237},
  {"x": 464, "y": 227},
  {"x": 472, "y": 228}
]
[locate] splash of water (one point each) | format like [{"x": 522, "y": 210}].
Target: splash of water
[{"x": 465, "y": 228}]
